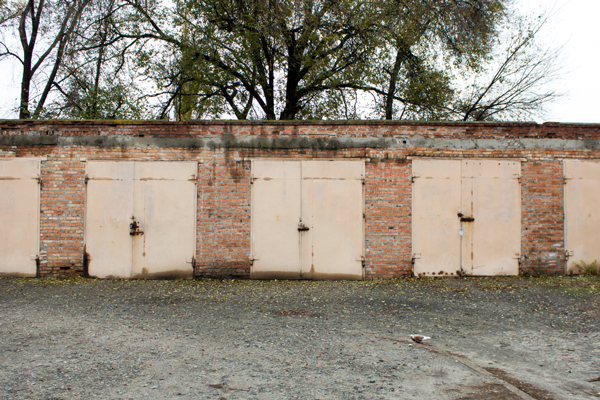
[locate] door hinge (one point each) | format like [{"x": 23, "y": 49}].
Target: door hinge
[
  {"x": 253, "y": 178},
  {"x": 361, "y": 177},
  {"x": 518, "y": 258},
  {"x": 361, "y": 259},
  {"x": 568, "y": 254},
  {"x": 412, "y": 178},
  {"x": 566, "y": 178},
  {"x": 252, "y": 259},
  {"x": 415, "y": 256},
  {"x": 193, "y": 262}
]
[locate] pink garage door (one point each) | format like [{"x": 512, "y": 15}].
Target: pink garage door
[
  {"x": 466, "y": 217},
  {"x": 141, "y": 219},
  {"x": 19, "y": 216},
  {"x": 307, "y": 219},
  {"x": 582, "y": 212}
]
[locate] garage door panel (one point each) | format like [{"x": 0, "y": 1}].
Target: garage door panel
[
  {"x": 108, "y": 215},
  {"x": 491, "y": 169},
  {"x": 332, "y": 169},
  {"x": 436, "y": 227},
  {"x": 275, "y": 216},
  {"x": 337, "y": 229},
  {"x": 307, "y": 219},
  {"x": 161, "y": 170},
  {"x": 20, "y": 169},
  {"x": 436, "y": 169},
  {"x": 110, "y": 170},
  {"x": 168, "y": 222},
  {"x": 19, "y": 217},
  {"x": 497, "y": 227},
  {"x": 582, "y": 170},
  {"x": 582, "y": 211},
  {"x": 466, "y": 217},
  {"x": 161, "y": 198}
]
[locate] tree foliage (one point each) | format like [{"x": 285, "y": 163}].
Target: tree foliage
[
  {"x": 44, "y": 29},
  {"x": 278, "y": 59}
]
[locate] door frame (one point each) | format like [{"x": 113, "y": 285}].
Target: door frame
[
  {"x": 87, "y": 257},
  {"x": 36, "y": 256},
  {"x": 414, "y": 256},
  {"x": 301, "y": 160}
]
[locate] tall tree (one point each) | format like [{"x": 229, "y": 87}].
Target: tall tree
[
  {"x": 422, "y": 41},
  {"x": 277, "y": 56},
  {"x": 97, "y": 79},
  {"x": 514, "y": 84},
  {"x": 275, "y": 59},
  {"x": 44, "y": 30}
]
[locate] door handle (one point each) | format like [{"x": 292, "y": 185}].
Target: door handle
[
  {"x": 134, "y": 229},
  {"x": 302, "y": 227},
  {"x": 465, "y": 219}
]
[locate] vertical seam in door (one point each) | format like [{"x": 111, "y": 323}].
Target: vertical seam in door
[
  {"x": 301, "y": 237},
  {"x": 462, "y": 237},
  {"x": 472, "y": 236},
  {"x": 133, "y": 199}
]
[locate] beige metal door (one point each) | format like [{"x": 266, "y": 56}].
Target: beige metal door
[
  {"x": 582, "y": 211},
  {"x": 19, "y": 217},
  {"x": 140, "y": 219},
  {"x": 275, "y": 216},
  {"x": 436, "y": 228},
  {"x": 332, "y": 208},
  {"x": 307, "y": 219},
  {"x": 491, "y": 196},
  {"x": 466, "y": 217}
]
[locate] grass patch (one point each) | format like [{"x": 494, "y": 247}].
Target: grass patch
[
  {"x": 589, "y": 269},
  {"x": 75, "y": 280}
]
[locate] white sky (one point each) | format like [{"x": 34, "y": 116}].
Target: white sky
[{"x": 574, "y": 24}]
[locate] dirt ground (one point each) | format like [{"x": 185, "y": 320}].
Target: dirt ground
[{"x": 492, "y": 338}]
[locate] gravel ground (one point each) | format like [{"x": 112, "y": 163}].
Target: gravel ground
[{"x": 492, "y": 338}]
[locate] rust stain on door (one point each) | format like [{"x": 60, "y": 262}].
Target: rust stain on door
[
  {"x": 140, "y": 218},
  {"x": 319, "y": 232},
  {"x": 466, "y": 217},
  {"x": 582, "y": 211},
  {"x": 19, "y": 217}
]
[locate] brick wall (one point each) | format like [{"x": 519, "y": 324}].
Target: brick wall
[
  {"x": 62, "y": 205},
  {"x": 223, "y": 216},
  {"x": 542, "y": 217},
  {"x": 224, "y": 151},
  {"x": 388, "y": 223}
]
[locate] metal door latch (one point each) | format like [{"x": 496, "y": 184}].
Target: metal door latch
[
  {"x": 134, "y": 229},
  {"x": 301, "y": 226},
  {"x": 568, "y": 254},
  {"x": 465, "y": 219}
]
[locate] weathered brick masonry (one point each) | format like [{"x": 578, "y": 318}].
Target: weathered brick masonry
[{"x": 224, "y": 151}]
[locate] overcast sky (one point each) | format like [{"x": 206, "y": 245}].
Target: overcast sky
[{"x": 574, "y": 23}]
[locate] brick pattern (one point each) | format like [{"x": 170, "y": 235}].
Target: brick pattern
[
  {"x": 62, "y": 216},
  {"x": 223, "y": 216},
  {"x": 224, "y": 188},
  {"x": 316, "y": 129},
  {"x": 388, "y": 223},
  {"x": 542, "y": 218}
]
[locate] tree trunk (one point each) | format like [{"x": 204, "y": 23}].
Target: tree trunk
[{"x": 389, "y": 100}]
